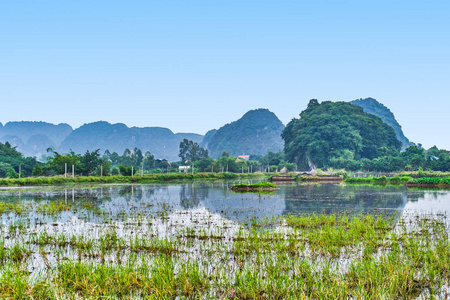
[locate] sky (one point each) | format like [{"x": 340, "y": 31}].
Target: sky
[{"x": 196, "y": 65}]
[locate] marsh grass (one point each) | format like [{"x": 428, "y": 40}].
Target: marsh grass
[
  {"x": 429, "y": 182},
  {"x": 265, "y": 188},
  {"x": 169, "y": 254},
  {"x": 255, "y": 185},
  {"x": 313, "y": 256},
  {"x": 382, "y": 180}
]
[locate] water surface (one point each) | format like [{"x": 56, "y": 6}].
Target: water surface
[{"x": 117, "y": 202}]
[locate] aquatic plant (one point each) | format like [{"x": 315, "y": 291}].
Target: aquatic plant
[
  {"x": 255, "y": 185},
  {"x": 431, "y": 180},
  {"x": 379, "y": 180}
]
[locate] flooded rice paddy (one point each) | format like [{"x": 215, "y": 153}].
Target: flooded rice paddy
[{"x": 201, "y": 240}]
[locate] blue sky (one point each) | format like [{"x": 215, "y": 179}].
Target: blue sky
[{"x": 196, "y": 65}]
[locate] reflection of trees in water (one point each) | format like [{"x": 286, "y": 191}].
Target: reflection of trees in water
[
  {"x": 132, "y": 192},
  {"x": 192, "y": 194},
  {"x": 148, "y": 191},
  {"x": 243, "y": 207},
  {"x": 125, "y": 191},
  {"x": 342, "y": 198},
  {"x": 137, "y": 192},
  {"x": 219, "y": 199},
  {"x": 415, "y": 194},
  {"x": 94, "y": 195}
]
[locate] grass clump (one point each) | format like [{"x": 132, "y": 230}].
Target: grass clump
[
  {"x": 260, "y": 188},
  {"x": 256, "y": 185},
  {"x": 431, "y": 180},
  {"x": 379, "y": 180},
  {"x": 156, "y": 278}
]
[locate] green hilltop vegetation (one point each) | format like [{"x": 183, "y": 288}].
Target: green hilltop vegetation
[
  {"x": 256, "y": 132},
  {"x": 374, "y": 107},
  {"x": 341, "y": 135},
  {"x": 331, "y": 130}
]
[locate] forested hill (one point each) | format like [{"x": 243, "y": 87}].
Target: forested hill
[
  {"x": 374, "y": 107},
  {"x": 329, "y": 132},
  {"x": 161, "y": 142},
  {"x": 33, "y": 138},
  {"x": 255, "y": 133}
]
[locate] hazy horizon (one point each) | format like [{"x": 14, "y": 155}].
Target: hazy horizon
[{"x": 195, "y": 66}]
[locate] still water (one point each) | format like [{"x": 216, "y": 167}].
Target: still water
[{"x": 104, "y": 203}]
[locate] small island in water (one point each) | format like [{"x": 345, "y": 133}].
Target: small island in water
[{"x": 255, "y": 187}]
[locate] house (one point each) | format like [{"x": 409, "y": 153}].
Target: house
[{"x": 183, "y": 168}]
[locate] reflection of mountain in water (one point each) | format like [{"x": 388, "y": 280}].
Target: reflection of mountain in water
[
  {"x": 334, "y": 198},
  {"x": 219, "y": 199},
  {"x": 117, "y": 201}
]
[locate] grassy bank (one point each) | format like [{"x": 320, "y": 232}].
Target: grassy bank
[
  {"x": 429, "y": 182},
  {"x": 421, "y": 174},
  {"x": 260, "y": 187},
  {"x": 55, "y": 180},
  {"x": 378, "y": 180},
  {"x": 295, "y": 257},
  {"x": 434, "y": 182}
]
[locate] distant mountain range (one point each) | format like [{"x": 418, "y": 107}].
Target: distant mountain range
[
  {"x": 255, "y": 133},
  {"x": 161, "y": 142},
  {"x": 33, "y": 138}
]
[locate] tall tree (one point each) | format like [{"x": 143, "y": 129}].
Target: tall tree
[
  {"x": 58, "y": 161},
  {"x": 191, "y": 151},
  {"x": 149, "y": 161},
  {"x": 90, "y": 161}
]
